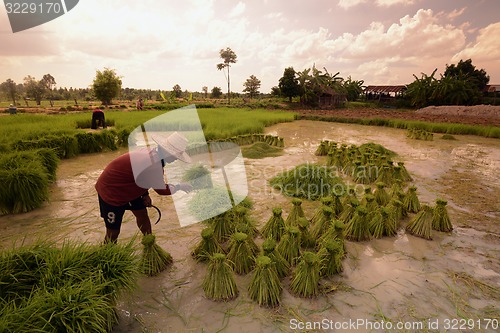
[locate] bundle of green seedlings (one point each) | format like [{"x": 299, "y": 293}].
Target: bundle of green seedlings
[
  {"x": 71, "y": 288},
  {"x": 331, "y": 253},
  {"x": 305, "y": 279},
  {"x": 335, "y": 232},
  {"x": 349, "y": 210},
  {"x": 306, "y": 239},
  {"x": 357, "y": 229},
  {"x": 25, "y": 177},
  {"x": 381, "y": 195},
  {"x": 281, "y": 264},
  {"x": 440, "y": 218},
  {"x": 421, "y": 224},
  {"x": 241, "y": 253},
  {"x": 336, "y": 204},
  {"x": 397, "y": 186},
  {"x": 296, "y": 213},
  {"x": 321, "y": 224},
  {"x": 242, "y": 221},
  {"x": 381, "y": 224},
  {"x": 419, "y": 134},
  {"x": 154, "y": 259},
  {"x": 265, "y": 287},
  {"x": 216, "y": 200},
  {"x": 207, "y": 246},
  {"x": 395, "y": 208},
  {"x": 289, "y": 246},
  {"x": 65, "y": 145},
  {"x": 385, "y": 175},
  {"x": 260, "y": 150},
  {"x": 404, "y": 172},
  {"x": 411, "y": 202},
  {"x": 198, "y": 177},
  {"x": 309, "y": 181},
  {"x": 275, "y": 226},
  {"x": 322, "y": 149},
  {"x": 219, "y": 284}
]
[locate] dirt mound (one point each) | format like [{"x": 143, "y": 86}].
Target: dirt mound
[{"x": 487, "y": 111}]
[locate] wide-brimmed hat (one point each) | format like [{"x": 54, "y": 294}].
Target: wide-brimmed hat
[{"x": 175, "y": 144}]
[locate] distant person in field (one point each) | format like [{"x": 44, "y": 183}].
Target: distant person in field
[
  {"x": 12, "y": 109},
  {"x": 98, "y": 119},
  {"x": 125, "y": 182},
  {"x": 139, "y": 104}
]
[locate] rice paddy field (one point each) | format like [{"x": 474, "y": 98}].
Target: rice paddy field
[{"x": 397, "y": 283}]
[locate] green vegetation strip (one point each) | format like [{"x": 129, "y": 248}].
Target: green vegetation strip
[
  {"x": 71, "y": 288},
  {"x": 448, "y": 128}
]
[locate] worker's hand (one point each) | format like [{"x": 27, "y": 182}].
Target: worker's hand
[
  {"x": 186, "y": 187},
  {"x": 147, "y": 200}
]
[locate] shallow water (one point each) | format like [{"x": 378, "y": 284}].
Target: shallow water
[{"x": 402, "y": 278}]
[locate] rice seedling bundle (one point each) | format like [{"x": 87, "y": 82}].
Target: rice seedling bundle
[
  {"x": 241, "y": 255},
  {"x": 289, "y": 246},
  {"x": 334, "y": 232},
  {"x": 411, "y": 202},
  {"x": 308, "y": 181},
  {"x": 330, "y": 160},
  {"x": 396, "y": 187},
  {"x": 321, "y": 224},
  {"x": 351, "y": 194},
  {"x": 385, "y": 175},
  {"x": 404, "y": 172},
  {"x": 88, "y": 143},
  {"x": 395, "y": 212},
  {"x": 269, "y": 250},
  {"x": 265, "y": 287},
  {"x": 154, "y": 259},
  {"x": 401, "y": 197},
  {"x": 219, "y": 284},
  {"x": 336, "y": 204},
  {"x": 198, "y": 176},
  {"x": 295, "y": 214},
  {"x": 207, "y": 246},
  {"x": 242, "y": 221},
  {"x": 397, "y": 174},
  {"x": 361, "y": 174},
  {"x": 440, "y": 218},
  {"x": 322, "y": 149},
  {"x": 305, "y": 280},
  {"x": 275, "y": 226},
  {"x": 23, "y": 189},
  {"x": 421, "y": 224},
  {"x": 306, "y": 239},
  {"x": 357, "y": 229},
  {"x": 349, "y": 210},
  {"x": 381, "y": 196},
  {"x": 331, "y": 253}
]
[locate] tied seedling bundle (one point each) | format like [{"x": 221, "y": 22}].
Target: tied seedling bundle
[
  {"x": 154, "y": 259},
  {"x": 265, "y": 287},
  {"x": 421, "y": 224},
  {"x": 309, "y": 181},
  {"x": 411, "y": 202},
  {"x": 295, "y": 214},
  {"x": 382, "y": 224},
  {"x": 395, "y": 211},
  {"x": 321, "y": 224},
  {"x": 242, "y": 221},
  {"x": 336, "y": 204},
  {"x": 349, "y": 210},
  {"x": 357, "y": 229},
  {"x": 381, "y": 195},
  {"x": 198, "y": 176},
  {"x": 219, "y": 284},
  {"x": 241, "y": 253},
  {"x": 334, "y": 232},
  {"x": 306, "y": 239},
  {"x": 440, "y": 219},
  {"x": 289, "y": 246},
  {"x": 269, "y": 250},
  {"x": 331, "y": 253},
  {"x": 322, "y": 149},
  {"x": 275, "y": 226},
  {"x": 207, "y": 246},
  {"x": 404, "y": 172},
  {"x": 305, "y": 280}
]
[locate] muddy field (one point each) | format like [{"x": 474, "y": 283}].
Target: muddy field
[
  {"x": 403, "y": 279},
  {"x": 473, "y": 115}
]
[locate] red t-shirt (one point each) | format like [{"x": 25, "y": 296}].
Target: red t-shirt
[{"x": 129, "y": 176}]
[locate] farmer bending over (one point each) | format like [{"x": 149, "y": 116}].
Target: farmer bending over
[{"x": 124, "y": 183}]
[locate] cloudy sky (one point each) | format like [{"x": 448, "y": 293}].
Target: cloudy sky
[{"x": 157, "y": 44}]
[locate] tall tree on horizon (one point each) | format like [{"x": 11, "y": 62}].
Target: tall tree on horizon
[{"x": 229, "y": 57}]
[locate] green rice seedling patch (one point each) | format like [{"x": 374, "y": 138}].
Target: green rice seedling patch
[{"x": 260, "y": 150}]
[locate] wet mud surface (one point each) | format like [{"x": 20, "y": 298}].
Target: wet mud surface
[{"x": 399, "y": 279}]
